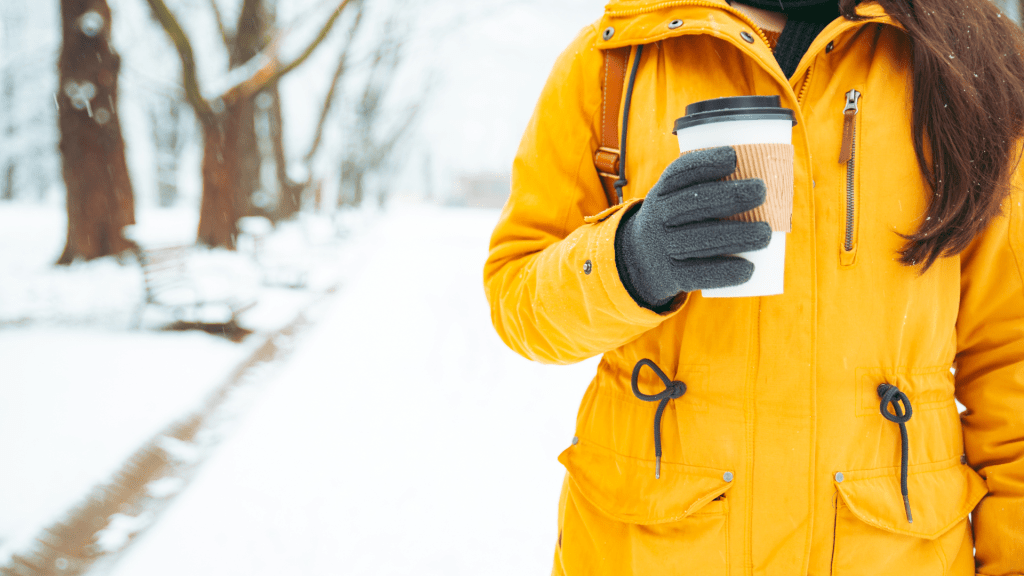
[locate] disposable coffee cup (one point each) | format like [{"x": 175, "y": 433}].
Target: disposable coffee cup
[{"x": 760, "y": 130}]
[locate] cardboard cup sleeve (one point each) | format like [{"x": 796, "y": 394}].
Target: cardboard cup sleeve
[{"x": 772, "y": 163}]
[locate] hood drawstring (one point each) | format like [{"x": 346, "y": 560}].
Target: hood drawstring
[
  {"x": 621, "y": 182},
  {"x": 673, "y": 389},
  {"x": 892, "y": 395}
]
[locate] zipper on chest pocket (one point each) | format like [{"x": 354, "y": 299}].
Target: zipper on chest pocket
[{"x": 848, "y": 156}]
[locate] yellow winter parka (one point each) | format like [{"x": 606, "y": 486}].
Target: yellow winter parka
[{"x": 777, "y": 459}]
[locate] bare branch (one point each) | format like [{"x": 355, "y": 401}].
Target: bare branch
[
  {"x": 335, "y": 81},
  {"x": 224, "y": 34},
  {"x": 387, "y": 145},
  {"x": 188, "y": 63},
  {"x": 272, "y": 69}
]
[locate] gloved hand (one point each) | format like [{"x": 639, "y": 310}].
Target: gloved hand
[{"x": 675, "y": 243}]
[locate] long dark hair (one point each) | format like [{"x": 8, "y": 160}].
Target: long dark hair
[{"x": 968, "y": 115}]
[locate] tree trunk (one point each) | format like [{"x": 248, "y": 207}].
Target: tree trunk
[
  {"x": 219, "y": 212},
  {"x": 289, "y": 201},
  {"x": 231, "y": 160},
  {"x": 9, "y": 128},
  {"x": 100, "y": 201},
  {"x": 247, "y": 155},
  {"x": 7, "y": 189},
  {"x": 249, "y": 39}
]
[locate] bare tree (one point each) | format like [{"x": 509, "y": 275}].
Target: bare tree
[
  {"x": 260, "y": 121},
  {"x": 223, "y": 124},
  {"x": 29, "y": 160},
  {"x": 169, "y": 138},
  {"x": 9, "y": 131},
  {"x": 376, "y": 132},
  {"x": 248, "y": 39},
  {"x": 99, "y": 193},
  {"x": 339, "y": 73}
]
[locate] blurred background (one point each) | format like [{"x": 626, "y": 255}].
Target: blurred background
[{"x": 242, "y": 324}]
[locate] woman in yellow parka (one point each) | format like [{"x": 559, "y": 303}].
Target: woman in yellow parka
[{"x": 815, "y": 432}]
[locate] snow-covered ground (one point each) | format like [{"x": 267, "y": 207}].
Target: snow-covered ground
[
  {"x": 81, "y": 389},
  {"x": 402, "y": 437},
  {"x": 75, "y": 403}
]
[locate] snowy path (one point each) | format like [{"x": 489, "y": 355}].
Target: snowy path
[{"x": 403, "y": 437}]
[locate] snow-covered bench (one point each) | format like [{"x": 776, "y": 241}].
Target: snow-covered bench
[
  {"x": 277, "y": 271},
  {"x": 167, "y": 285}
]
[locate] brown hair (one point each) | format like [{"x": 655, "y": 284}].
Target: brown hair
[{"x": 968, "y": 114}]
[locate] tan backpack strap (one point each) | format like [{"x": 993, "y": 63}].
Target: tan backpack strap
[{"x": 607, "y": 157}]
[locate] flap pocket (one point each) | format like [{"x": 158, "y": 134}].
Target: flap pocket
[
  {"x": 626, "y": 490},
  {"x": 941, "y": 496}
]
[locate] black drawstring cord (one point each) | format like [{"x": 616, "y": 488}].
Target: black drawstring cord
[
  {"x": 892, "y": 395},
  {"x": 625, "y": 125},
  {"x": 673, "y": 389}
]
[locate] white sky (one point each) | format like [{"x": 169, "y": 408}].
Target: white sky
[{"x": 487, "y": 59}]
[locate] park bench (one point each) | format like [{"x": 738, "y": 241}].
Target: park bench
[{"x": 167, "y": 285}]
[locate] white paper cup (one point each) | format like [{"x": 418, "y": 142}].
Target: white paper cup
[{"x": 745, "y": 122}]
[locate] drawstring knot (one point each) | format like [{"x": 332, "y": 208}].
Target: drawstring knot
[
  {"x": 673, "y": 389},
  {"x": 900, "y": 414}
]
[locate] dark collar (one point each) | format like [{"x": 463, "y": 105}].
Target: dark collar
[{"x": 805, "y": 10}]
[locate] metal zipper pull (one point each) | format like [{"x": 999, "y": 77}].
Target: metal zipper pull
[{"x": 849, "y": 113}]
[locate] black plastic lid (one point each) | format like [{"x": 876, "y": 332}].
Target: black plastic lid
[{"x": 734, "y": 108}]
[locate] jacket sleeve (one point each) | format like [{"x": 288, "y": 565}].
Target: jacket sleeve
[
  {"x": 990, "y": 383},
  {"x": 550, "y": 277}
]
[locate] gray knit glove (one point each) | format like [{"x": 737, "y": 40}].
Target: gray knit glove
[{"x": 675, "y": 243}]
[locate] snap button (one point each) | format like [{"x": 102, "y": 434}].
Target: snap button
[
  {"x": 829, "y": 48},
  {"x": 727, "y": 476},
  {"x": 587, "y": 267},
  {"x": 608, "y": 33},
  {"x": 746, "y": 36},
  {"x": 575, "y": 440},
  {"x": 839, "y": 476},
  {"x": 675, "y": 24}
]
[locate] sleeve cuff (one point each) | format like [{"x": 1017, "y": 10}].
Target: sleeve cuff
[{"x": 603, "y": 248}]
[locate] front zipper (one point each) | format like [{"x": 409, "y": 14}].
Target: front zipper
[
  {"x": 806, "y": 83},
  {"x": 848, "y": 155}
]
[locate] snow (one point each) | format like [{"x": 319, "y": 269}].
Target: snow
[
  {"x": 77, "y": 402},
  {"x": 82, "y": 389},
  {"x": 402, "y": 437}
]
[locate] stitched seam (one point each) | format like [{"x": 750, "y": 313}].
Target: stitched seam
[
  {"x": 586, "y": 158},
  {"x": 716, "y": 473},
  {"x": 1009, "y": 240},
  {"x": 942, "y": 559},
  {"x": 835, "y": 527},
  {"x": 604, "y": 102},
  {"x": 749, "y": 389},
  {"x": 886, "y": 472}
]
